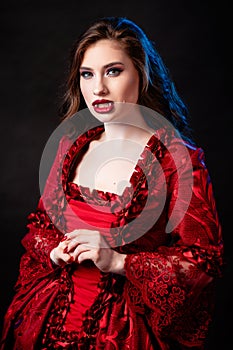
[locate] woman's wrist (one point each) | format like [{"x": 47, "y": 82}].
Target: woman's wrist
[
  {"x": 53, "y": 259},
  {"x": 119, "y": 264}
]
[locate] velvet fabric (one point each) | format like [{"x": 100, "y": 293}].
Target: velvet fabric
[{"x": 165, "y": 301}]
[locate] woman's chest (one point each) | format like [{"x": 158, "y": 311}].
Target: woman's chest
[{"x": 107, "y": 169}]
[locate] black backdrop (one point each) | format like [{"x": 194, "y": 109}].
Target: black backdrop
[{"x": 193, "y": 38}]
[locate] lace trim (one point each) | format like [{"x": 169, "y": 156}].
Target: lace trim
[{"x": 163, "y": 289}]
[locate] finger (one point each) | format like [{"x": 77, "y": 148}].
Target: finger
[
  {"x": 75, "y": 242},
  {"x": 90, "y": 239},
  {"x": 72, "y": 234},
  {"x": 86, "y": 255},
  {"x": 64, "y": 238},
  {"x": 63, "y": 247},
  {"x": 63, "y": 244},
  {"x": 65, "y": 259},
  {"x": 79, "y": 250},
  {"x": 70, "y": 260},
  {"x": 60, "y": 258},
  {"x": 71, "y": 246}
]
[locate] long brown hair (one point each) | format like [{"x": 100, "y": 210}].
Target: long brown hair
[{"x": 156, "y": 89}]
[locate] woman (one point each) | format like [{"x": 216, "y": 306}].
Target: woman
[{"x": 121, "y": 252}]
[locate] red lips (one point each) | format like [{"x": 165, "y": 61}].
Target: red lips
[
  {"x": 103, "y": 106},
  {"x": 96, "y": 102}
]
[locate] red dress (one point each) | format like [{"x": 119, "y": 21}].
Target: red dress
[{"x": 164, "y": 301}]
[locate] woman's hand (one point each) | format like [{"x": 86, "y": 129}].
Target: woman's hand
[
  {"x": 83, "y": 245},
  {"x": 59, "y": 255}
]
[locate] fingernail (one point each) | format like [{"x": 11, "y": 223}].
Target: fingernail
[
  {"x": 63, "y": 238},
  {"x": 65, "y": 250},
  {"x": 71, "y": 259}
]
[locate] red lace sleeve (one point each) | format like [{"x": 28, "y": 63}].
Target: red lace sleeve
[
  {"x": 173, "y": 285},
  {"x": 42, "y": 234},
  {"x": 41, "y": 238},
  {"x": 35, "y": 288}
]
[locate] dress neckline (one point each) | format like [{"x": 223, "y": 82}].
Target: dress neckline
[{"x": 135, "y": 178}]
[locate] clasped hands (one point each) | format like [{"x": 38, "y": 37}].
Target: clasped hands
[{"x": 83, "y": 244}]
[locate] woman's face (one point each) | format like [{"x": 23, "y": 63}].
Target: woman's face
[{"x": 107, "y": 76}]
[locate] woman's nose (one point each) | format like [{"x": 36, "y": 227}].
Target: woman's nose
[{"x": 100, "y": 88}]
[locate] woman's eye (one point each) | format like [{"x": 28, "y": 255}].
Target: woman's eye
[
  {"x": 86, "y": 75},
  {"x": 114, "y": 72}
]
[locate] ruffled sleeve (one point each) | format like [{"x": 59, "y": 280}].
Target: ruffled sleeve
[
  {"x": 43, "y": 235},
  {"x": 36, "y": 285},
  {"x": 173, "y": 285}
]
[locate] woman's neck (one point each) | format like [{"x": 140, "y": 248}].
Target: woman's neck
[{"x": 133, "y": 129}]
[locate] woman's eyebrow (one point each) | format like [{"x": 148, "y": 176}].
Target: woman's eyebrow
[{"x": 105, "y": 66}]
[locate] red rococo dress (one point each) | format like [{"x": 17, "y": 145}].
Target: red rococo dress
[{"x": 165, "y": 301}]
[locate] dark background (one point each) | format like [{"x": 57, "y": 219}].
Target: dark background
[{"x": 193, "y": 37}]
